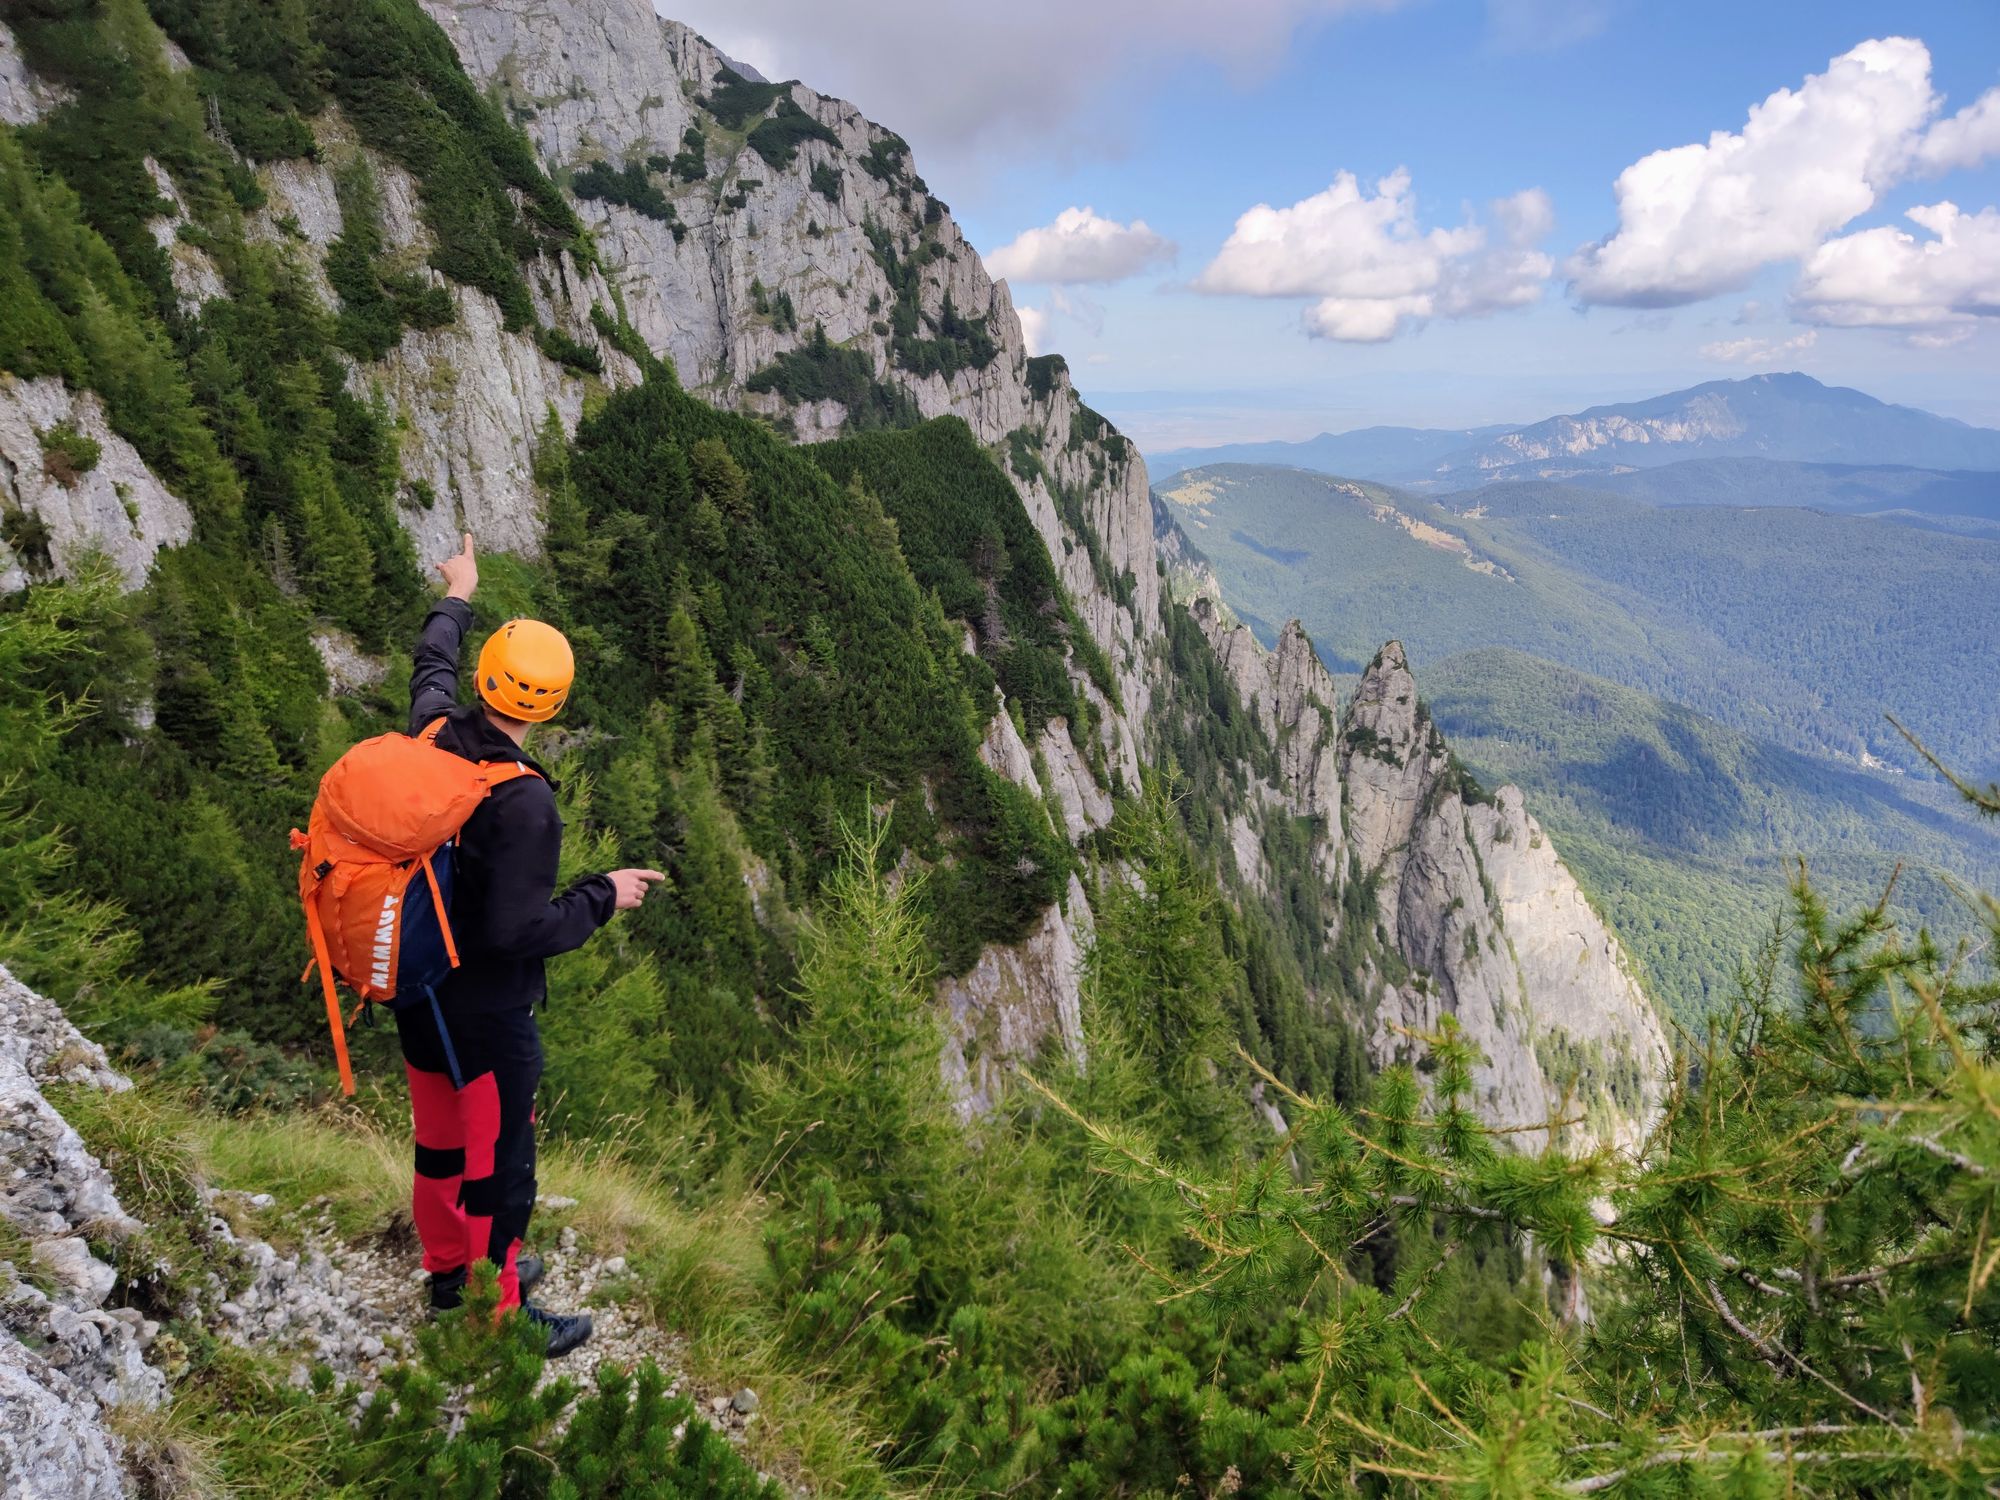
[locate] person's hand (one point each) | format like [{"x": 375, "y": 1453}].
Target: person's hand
[
  {"x": 461, "y": 573},
  {"x": 632, "y": 885}
]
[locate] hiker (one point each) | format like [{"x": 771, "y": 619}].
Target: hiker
[{"x": 475, "y": 1057}]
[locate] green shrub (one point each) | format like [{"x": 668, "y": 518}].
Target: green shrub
[
  {"x": 690, "y": 163},
  {"x": 820, "y": 370},
  {"x": 887, "y": 156},
  {"x": 736, "y": 100},
  {"x": 376, "y": 302},
  {"x": 466, "y": 1418},
  {"x": 569, "y": 352},
  {"x": 1043, "y": 370},
  {"x": 778, "y": 138},
  {"x": 68, "y": 452},
  {"x": 631, "y": 186}
]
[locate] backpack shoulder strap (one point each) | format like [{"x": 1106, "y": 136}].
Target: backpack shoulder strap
[{"x": 495, "y": 771}]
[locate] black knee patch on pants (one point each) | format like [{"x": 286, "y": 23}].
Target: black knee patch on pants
[{"x": 437, "y": 1161}]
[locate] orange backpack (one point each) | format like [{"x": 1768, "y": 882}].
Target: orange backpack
[{"x": 375, "y": 872}]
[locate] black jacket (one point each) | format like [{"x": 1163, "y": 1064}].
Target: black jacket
[{"x": 505, "y": 914}]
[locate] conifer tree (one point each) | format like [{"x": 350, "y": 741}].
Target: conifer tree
[
  {"x": 861, "y": 1099},
  {"x": 1159, "y": 972}
]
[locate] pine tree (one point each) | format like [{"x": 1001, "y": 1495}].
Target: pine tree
[
  {"x": 1796, "y": 1282},
  {"x": 861, "y": 1099},
  {"x": 1159, "y": 972}
]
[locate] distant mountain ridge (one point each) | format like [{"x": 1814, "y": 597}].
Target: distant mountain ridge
[
  {"x": 1366, "y": 453},
  {"x": 1779, "y": 417}
]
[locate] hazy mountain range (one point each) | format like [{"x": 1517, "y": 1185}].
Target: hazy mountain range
[{"x": 1775, "y": 419}]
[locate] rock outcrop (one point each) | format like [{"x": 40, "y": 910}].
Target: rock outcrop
[
  {"x": 1293, "y": 698},
  {"x": 471, "y": 397},
  {"x": 24, "y": 98},
  {"x": 65, "y": 1359},
  {"x": 1016, "y": 1000},
  {"x": 841, "y": 238},
  {"x": 1477, "y": 916},
  {"x": 56, "y": 508},
  {"x": 1492, "y": 927}
]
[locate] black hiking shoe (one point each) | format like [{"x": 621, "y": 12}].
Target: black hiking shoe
[
  {"x": 528, "y": 1270},
  {"x": 565, "y": 1330},
  {"x": 447, "y": 1290},
  {"x": 448, "y": 1287}
]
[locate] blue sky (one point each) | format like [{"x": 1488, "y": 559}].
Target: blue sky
[{"x": 1185, "y": 116}]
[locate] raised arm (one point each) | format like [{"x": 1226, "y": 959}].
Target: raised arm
[{"x": 434, "y": 671}]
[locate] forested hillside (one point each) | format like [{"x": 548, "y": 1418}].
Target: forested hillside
[{"x": 1963, "y": 500}]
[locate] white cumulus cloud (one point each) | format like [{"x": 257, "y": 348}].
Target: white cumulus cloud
[
  {"x": 1890, "y": 278},
  {"x": 1755, "y": 351},
  {"x": 1964, "y": 140},
  {"x": 1702, "y": 219},
  {"x": 1080, "y": 246},
  {"x": 1372, "y": 269}
]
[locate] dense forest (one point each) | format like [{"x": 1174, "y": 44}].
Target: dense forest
[
  {"x": 1124, "y": 1281},
  {"x": 1963, "y": 499}
]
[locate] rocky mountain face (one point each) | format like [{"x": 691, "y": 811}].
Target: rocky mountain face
[
  {"x": 822, "y": 226},
  {"x": 65, "y": 1360},
  {"x": 1493, "y": 928},
  {"x": 1478, "y": 917},
  {"x": 781, "y": 251}
]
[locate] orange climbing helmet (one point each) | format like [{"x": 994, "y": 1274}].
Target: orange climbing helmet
[{"x": 525, "y": 669}]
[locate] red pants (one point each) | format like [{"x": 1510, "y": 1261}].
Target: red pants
[{"x": 474, "y": 1188}]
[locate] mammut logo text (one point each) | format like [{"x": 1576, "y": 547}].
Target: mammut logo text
[{"x": 385, "y": 942}]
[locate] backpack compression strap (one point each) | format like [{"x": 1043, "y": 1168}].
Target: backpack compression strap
[{"x": 318, "y": 936}]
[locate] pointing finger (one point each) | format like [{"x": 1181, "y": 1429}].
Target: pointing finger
[{"x": 468, "y": 544}]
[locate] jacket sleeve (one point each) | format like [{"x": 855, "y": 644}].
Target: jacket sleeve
[
  {"x": 434, "y": 670},
  {"x": 523, "y": 917}
]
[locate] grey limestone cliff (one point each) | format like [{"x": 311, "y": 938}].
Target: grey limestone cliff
[
  {"x": 66, "y": 1359},
  {"x": 1478, "y": 919},
  {"x": 1492, "y": 927}
]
